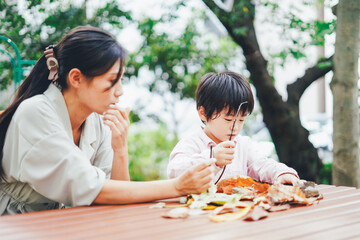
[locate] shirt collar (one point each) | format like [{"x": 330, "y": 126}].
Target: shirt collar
[
  {"x": 88, "y": 134},
  {"x": 57, "y": 99},
  {"x": 205, "y": 138}
]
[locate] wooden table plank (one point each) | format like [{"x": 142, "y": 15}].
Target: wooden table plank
[
  {"x": 337, "y": 232},
  {"x": 335, "y": 214}
]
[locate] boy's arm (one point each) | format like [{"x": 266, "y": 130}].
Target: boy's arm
[
  {"x": 262, "y": 168},
  {"x": 185, "y": 155}
]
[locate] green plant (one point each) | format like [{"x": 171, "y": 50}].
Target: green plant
[
  {"x": 149, "y": 152},
  {"x": 325, "y": 174}
]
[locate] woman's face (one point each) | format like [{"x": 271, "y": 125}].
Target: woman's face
[{"x": 101, "y": 92}]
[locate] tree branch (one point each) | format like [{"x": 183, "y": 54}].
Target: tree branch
[
  {"x": 239, "y": 24},
  {"x": 214, "y": 8},
  {"x": 297, "y": 88}
]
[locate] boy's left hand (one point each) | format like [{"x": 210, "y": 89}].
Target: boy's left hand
[{"x": 287, "y": 178}]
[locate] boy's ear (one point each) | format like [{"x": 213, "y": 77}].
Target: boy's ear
[
  {"x": 201, "y": 112},
  {"x": 74, "y": 77}
]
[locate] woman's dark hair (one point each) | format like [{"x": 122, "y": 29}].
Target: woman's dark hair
[
  {"x": 91, "y": 50},
  {"x": 217, "y": 91}
]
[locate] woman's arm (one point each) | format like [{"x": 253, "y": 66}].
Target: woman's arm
[
  {"x": 120, "y": 166},
  {"x": 195, "y": 180},
  {"x": 118, "y": 121}
]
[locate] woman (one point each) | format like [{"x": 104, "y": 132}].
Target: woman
[{"x": 58, "y": 150}]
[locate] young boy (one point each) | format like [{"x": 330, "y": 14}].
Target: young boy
[{"x": 223, "y": 101}]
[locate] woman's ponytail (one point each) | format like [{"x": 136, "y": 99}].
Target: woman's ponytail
[{"x": 36, "y": 83}]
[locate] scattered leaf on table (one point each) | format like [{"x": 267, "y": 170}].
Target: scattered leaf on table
[
  {"x": 279, "y": 193},
  {"x": 175, "y": 205},
  {"x": 230, "y": 216},
  {"x": 232, "y": 207},
  {"x": 158, "y": 205},
  {"x": 278, "y": 208},
  {"x": 226, "y": 185},
  {"x": 210, "y": 207},
  {"x": 308, "y": 188},
  {"x": 176, "y": 213},
  {"x": 256, "y": 214},
  {"x": 233, "y": 198},
  {"x": 196, "y": 212}
]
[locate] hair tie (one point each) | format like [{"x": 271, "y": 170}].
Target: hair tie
[{"x": 51, "y": 63}]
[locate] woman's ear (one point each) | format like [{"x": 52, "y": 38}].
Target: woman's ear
[
  {"x": 74, "y": 77},
  {"x": 202, "y": 115}
]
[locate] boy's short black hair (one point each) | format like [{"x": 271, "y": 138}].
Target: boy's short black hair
[{"x": 217, "y": 91}]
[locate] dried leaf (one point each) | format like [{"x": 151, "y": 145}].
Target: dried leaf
[
  {"x": 158, "y": 205},
  {"x": 176, "y": 213},
  {"x": 175, "y": 206},
  {"x": 309, "y": 189},
  {"x": 279, "y": 193},
  {"x": 230, "y": 216},
  {"x": 196, "y": 212},
  {"x": 247, "y": 183},
  {"x": 278, "y": 208},
  {"x": 256, "y": 214},
  {"x": 210, "y": 207}
]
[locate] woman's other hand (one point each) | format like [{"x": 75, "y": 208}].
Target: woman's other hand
[{"x": 196, "y": 179}]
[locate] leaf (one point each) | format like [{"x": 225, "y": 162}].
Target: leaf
[
  {"x": 176, "y": 213},
  {"x": 158, "y": 205},
  {"x": 279, "y": 208},
  {"x": 230, "y": 216},
  {"x": 256, "y": 214}
]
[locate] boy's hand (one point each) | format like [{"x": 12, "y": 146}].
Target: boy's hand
[
  {"x": 224, "y": 153},
  {"x": 287, "y": 178}
]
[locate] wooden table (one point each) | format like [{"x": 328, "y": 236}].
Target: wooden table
[{"x": 337, "y": 216}]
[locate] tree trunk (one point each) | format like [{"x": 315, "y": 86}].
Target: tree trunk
[
  {"x": 281, "y": 118},
  {"x": 345, "y": 91}
]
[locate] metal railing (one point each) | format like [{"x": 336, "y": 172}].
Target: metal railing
[{"x": 16, "y": 61}]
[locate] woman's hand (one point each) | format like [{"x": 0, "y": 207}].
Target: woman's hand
[
  {"x": 224, "y": 153},
  {"x": 118, "y": 120},
  {"x": 196, "y": 179},
  {"x": 287, "y": 178}
]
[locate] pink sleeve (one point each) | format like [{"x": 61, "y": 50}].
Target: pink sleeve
[{"x": 187, "y": 153}]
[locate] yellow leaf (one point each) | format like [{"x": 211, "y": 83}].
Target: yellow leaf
[
  {"x": 230, "y": 216},
  {"x": 210, "y": 207}
]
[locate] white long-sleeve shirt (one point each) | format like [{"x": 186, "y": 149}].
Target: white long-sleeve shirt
[
  {"x": 41, "y": 162},
  {"x": 249, "y": 159}
]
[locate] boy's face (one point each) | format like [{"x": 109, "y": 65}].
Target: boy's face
[{"x": 218, "y": 128}]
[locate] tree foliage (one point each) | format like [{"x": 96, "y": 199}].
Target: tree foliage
[{"x": 178, "y": 62}]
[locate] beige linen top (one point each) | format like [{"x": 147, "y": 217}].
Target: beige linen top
[{"x": 43, "y": 167}]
